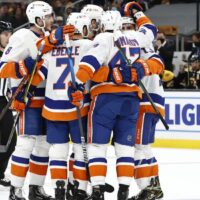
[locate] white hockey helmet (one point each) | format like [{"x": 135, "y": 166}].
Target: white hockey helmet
[
  {"x": 80, "y": 21},
  {"x": 94, "y": 12},
  {"x": 38, "y": 9},
  {"x": 111, "y": 21},
  {"x": 127, "y": 20}
]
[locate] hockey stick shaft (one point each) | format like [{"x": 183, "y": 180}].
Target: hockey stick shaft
[
  {"x": 71, "y": 65},
  {"x": 19, "y": 88},
  {"x": 143, "y": 88},
  {"x": 39, "y": 55}
]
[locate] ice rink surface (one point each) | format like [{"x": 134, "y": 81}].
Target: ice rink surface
[{"x": 179, "y": 175}]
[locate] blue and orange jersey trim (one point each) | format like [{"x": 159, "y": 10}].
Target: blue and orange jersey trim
[
  {"x": 63, "y": 110},
  {"x": 145, "y": 105}
]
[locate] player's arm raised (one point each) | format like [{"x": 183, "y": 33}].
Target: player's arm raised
[{"x": 147, "y": 31}]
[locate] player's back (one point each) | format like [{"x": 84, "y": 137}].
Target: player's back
[
  {"x": 108, "y": 54},
  {"x": 57, "y": 105}
]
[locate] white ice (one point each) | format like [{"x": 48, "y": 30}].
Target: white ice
[{"x": 179, "y": 175}]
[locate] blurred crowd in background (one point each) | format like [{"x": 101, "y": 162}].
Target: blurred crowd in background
[{"x": 188, "y": 76}]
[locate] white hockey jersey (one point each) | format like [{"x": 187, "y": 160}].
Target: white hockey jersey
[
  {"x": 56, "y": 71},
  {"x": 106, "y": 53},
  {"x": 153, "y": 85},
  {"x": 22, "y": 44}
]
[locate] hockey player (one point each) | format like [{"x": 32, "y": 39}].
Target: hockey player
[
  {"x": 115, "y": 106},
  {"x": 32, "y": 149},
  {"x": 60, "y": 114},
  {"x": 7, "y": 122},
  {"x": 94, "y": 13},
  {"x": 146, "y": 166}
]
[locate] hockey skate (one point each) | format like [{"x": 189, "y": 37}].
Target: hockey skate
[
  {"x": 37, "y": 193},
  {"x": 15, "y": 193},
  {"x": 70, "y": 191},
  {"x": 5, "y": 182},
  {"x": 79, "y": 194},
  {"x": 97, "y": 193},
  {"x": 151, "y": 192},
  {"x": 60, "y": 190},
  {"x": 123, "y": 192}
]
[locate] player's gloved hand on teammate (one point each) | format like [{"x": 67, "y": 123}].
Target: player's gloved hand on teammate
[
  {"x": 25, "y": 67},
  {"x": 58, "y": 36},
  {"x": 121, "y": 74},
  {"x": 20, "y": 103},
  {"x": 132, "y": 8},
  {"x": 76, "y": 95},
  {"x": 139, "y": 69}
]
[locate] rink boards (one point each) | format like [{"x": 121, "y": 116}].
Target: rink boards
[{"x": 183, "y": 116}]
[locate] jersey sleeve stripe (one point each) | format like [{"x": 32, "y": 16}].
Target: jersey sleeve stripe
[{"x": 91, "y": 61}]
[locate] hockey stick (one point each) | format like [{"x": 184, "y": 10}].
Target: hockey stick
[
  {"x": 4, "y": 148},
  {"x": 128, "y": 62},
  {"x": 22, "y": 83},
  {"x": 108, "y": 188},
  {"x": 39, "y": 55}
]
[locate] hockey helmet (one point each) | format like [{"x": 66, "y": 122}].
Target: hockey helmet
[
  {"x": 94, "y": 13},
  {"x": 111, "y": 21},
  {"x": 38, "y": 9},
  {"x": 81, "y": 23},
  {"x": 127, "y": 23}
]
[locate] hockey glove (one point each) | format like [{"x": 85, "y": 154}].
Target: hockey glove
[
  {"x": 58, "y": 36},
  {"x": 132, "y": 8},
  {"x": 122, "y": 74},
  {"x": 139, "y": 69},
  {"x": 25, "y": 67},
  {"x": 76, "y": 95},
  {"x": 19, "y": 104}
]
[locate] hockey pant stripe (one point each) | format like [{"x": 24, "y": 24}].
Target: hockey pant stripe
[
  {"x": 146, "y": 168},
  {"x": 58, "y": 169},
  {"x": 80, "y": 172}
]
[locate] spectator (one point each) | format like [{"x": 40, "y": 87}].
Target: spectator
[
  {"x": 3, "y": 12},
  {"x": 189, "y": 75},
  {"x": 195, "y": 45},
  {"x": 165, "y": 49}
]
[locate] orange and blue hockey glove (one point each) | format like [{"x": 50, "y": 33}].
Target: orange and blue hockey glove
[
  {"x": 76, "y": 95},
  {"x": 19, "y": 104},
  {"x": 58, "y": 36},
  {"x": 131, "y": 8},
  {"x": 139, "y": 69},
  {"x": 25, "y": 67}
]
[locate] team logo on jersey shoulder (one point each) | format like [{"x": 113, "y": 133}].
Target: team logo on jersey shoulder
[
  {"x": 96, "y": 45},
  {"x": 142, "y": 30},
  {"x": 8, "y": 50}
]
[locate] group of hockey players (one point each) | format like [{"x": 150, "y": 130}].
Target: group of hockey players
[{"x": 110, "y": 54}]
